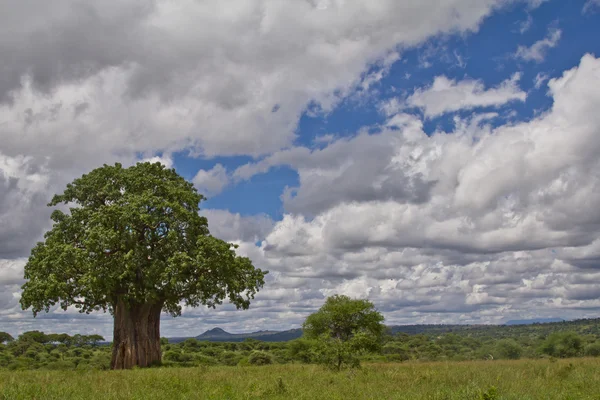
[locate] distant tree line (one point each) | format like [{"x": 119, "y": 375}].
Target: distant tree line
[{"x": 353, "y": 340}]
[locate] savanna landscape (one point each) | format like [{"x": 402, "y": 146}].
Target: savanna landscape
[
  {"x": 300, "y": 199},
  {"x": 536, "y": 361}
]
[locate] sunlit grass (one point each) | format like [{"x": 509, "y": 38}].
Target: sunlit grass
[{"x": 518, "y": 380}]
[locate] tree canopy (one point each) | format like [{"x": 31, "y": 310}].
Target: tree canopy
[
  {"x": 342, "y": 317},
  {"x": 133, "y": 238},
  {"x": 5, "y": 337},
  {"x": 343, "y": 328}
]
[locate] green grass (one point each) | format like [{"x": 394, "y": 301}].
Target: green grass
[{"x": 487, "y": 380}]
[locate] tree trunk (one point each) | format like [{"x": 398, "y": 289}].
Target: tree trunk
[{"x": 136, "y": 335}]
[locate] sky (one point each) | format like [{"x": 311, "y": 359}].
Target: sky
[{"x": 439, "y": 158}]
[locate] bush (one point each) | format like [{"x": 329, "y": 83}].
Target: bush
[
  {"x": 260, "y": 358},
  {"x": 563, "y": 345},
  {"x": 302, "y": 350},
  {"x": 337, "y": 354},
  {"x": 508, "y": 349},
  {"x": 100, "y": 361},
  {"x": 592, "y": 350},
  {"x": 60, "y": 365},
  {"x": 171, "y": 355},
  {"x": 230, "y": 358},
  {"x": 201, "y": 359}
]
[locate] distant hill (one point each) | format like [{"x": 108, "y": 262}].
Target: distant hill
[
  {"x": 533, "y": 321},
  {"x": 220, "y": 335},
  {"x": 510, "y": 329},
  {"x": 215, "y": 333}
]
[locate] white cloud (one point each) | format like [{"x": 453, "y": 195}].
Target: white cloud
[
  {"x": 446, "y": 95},
  {"x": 535, "y": 3},
  {"x": 196, "y": 74},
  {"x": 537, "y": 51},
  {"x": 590, "y": 5},
  {"x": 475, "y": 225},
  {"x": 165, "y": 160},
  {"x": 211, "y": 182},
  {"x": 237, "y": 228},
  {"x": 539, "y": 80},
  {"x": 85, "y": 84},
  {"x": 526, "y": 25},
  {"x": 509, "y": 226}
]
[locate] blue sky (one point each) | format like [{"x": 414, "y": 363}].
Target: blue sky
[
  {"x": 487, "y": 55},
  {"x": 438, "y": 157}
]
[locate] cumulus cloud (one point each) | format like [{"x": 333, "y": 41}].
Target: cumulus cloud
[
  {"x": 234, "y": 227},
  {"x": 211, "y": 182},
  {"x": 356, "y": 169},
  {"x": 478, "y": 184},
  {"x": 23, "y": 198},
  {"x": 474, "y": 225},
  {"x": 85, "y": 84},
  {"x": 446, "y": 95},
  {"x": 162, "y": 75},
  {"x": 165, "y": 160},
  {"x": 509, "y": 224},
  {"x": 537, "y": 51}
]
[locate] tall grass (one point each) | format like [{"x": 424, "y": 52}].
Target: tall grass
[{"x": 485, "y": 380}]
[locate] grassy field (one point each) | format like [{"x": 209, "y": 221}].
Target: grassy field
[{"x": 487, "y": 380}]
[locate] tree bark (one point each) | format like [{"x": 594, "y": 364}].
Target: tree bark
[{"x": 136, "y": 335}]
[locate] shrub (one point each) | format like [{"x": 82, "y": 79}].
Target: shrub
[
  {"x": 171, "y": 355},
  {"x": 592, "y": 350},
  {"x": 201, "y": 359},
  {"x": 230, "y": 358},
  {"x": 60, "y": 365},
  {"x": 302, "y": 350},
  {"x": 563, "y": 345},
  {"x": 508, "y": 349},
  {"x": 260, "y": 358}
]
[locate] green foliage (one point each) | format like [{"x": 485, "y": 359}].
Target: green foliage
[
  {"x": 563, "y": 345},
  {"x": 490, "y": 394},
  {"x": 343, "y": 328},
  {"x": 34, "y": 336},
  {"x": 592, "y": 350},
  {"x": 508, "y": 349},
  {"x": 260, "y": 358},
  {"x": 336, "y": 354},
  {"x": 134, "y": 234},
  {"x": 25, "y": 353},
  {"x": 342, "y": 317},
  {"x": 303, "y": 350},
  {"x": 5, "y": 337},
  {"x": 474, "y": 380},
  {"x": 230, "y": 358}
]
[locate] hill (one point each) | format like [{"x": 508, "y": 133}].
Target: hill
[
  {"x": 220, "y": 335},
  {"x": 513, "y": 328},
  {"x": 533, "y": 321}
]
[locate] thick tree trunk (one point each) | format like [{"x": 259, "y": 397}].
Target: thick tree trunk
[{"x": 136, "y": 335}]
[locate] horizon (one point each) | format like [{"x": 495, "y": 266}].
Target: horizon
[
  {"x": 439, "y": 158},
  {"x": 533, "y": 321}
]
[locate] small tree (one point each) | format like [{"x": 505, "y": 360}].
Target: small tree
[
  {"x": 592, "y": 350},
  {"x": 5, "y": 337},
  {"x": 134, "y": 244},
  {"x": 344, "y": 327},
  {"x": 34, "y": 337},
  {"x": 258, "y": 357},
  {"x": 508, "y": 349},
  {"x": 563, "y": 345}
]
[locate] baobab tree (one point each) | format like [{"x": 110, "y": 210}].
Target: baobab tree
[{"x": 133, "y": 244}]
